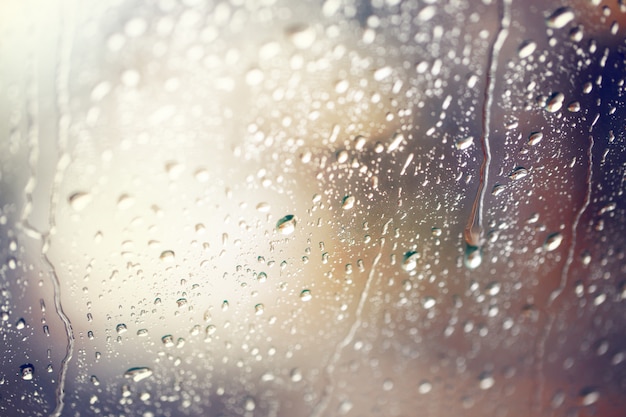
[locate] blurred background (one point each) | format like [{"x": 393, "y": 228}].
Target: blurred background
[{"x": 259, "y": 208}]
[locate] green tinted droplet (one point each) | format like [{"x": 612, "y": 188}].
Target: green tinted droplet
[
  {"x": 348, "y": 202},
  {"x": 168, "y": 340},
  {"x": 305, "y": 295},
  {"x": 286, "y": 225},
  {"x": 409, "y": 262},
  {"x": 121, "y": 328},
  {"x": 473, "y": 257},
  {"x": 137, "y": 374},
  {"x": 553, "y": 241}
]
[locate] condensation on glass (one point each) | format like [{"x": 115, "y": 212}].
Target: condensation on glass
[{"x": 316, "y": 208}]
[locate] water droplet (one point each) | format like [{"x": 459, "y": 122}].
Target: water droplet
[
  {"x": 142, "y": 332},
  {"x": 573, "y": 107},
  {"x": 348, "y": 202},
  {"x": 464, "y": 143},
  {"x": 249, "y": 404},
  {"x": 167, "y": 256},
  {"x": 301, "y": 36},
  {"x": 202, "y": 175},
  {"x": 121, "y": 328},
  {"x": 21, "y": 323},
  {"x": 555, "y": 102},
  {"x": 286, "y": 225},
  {"x": 409, "y": 262},
  {"x": 181, "y": 302},
  {"x": 168, "y": 340},
  {"x": 560, "y": 17},
  {"x": 534, "y": 138},
  {"x": 428, "y": 302},
  {"x": 473, "y": 257},
  {"x": 125, "y": 202},
  {"x": 382, "y": 73},
  {"x": 296, "y": 375},
  {"x": 261, "y": 277},
  {"x": 27, "y": 372},
  {"x": 589, "y": 396},
  {"x": 263, "y": 207},
  {"x": 305, "y": 295},
  {"x": 258, "y": 309},
  {"x": 254, "y": 77},
  {"x": 79, "y": 200},
  {"x": 486, "y": 381},
  {"x": 526, "y": 49},
  {"x": 518, "y": 173},
  {"x": 94, "y": 380},
  {"x": 424, "y": 387},
  {"x": 553, "y": 241},
  {"x": 137, "y": 374},
  {"x": 493, "y": 288}
]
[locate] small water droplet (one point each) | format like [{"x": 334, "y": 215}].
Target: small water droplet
[
  {"x": 424, "y": 387},
  {"x": 167, "y": 256},
  {"x": 79, "y": 200},
  {"x": 560, "y": 17},
  {"x": 526, "y": 49},
  {"x": 486, "y": 381},
  {"x": 348, "y": 202},
  {"x": 296, "y": 375},
  {"x": 121, "y": 328},
  {"x": 589, "y": 396},
  {"x": 555, "y": 102},
  {"x": 168, "y": 340},
  {"x": 409, "y": 261},
  {"x": 428, "y": 302},
  {"x": 125, "y": 202},
  {"x": 137, "y": 374},
  {"x": 21, "y": 323},
  {"x": 464, "y": 143},
  {"x": 518, "y": 173},
  {"x": 473, "y": 257},
  {"x": 534, "y": 138},
  {"x": 286, "y": 225},
  {"x": 553, "y": 241},
  {"x": 142, "y": 332},
  {"x": 305, "y": 295},
  {"x": 27, "y": 372},
  {"x": 302, "y": 36},
  {"x": 382, "y": 73},
  {"x": 261, "y": 277}
]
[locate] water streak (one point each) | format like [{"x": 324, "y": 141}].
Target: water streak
[
  {"x": 349, "y": 337},
  {"x": 474, "y": 229},
  {"x": 541, "y": 347}
]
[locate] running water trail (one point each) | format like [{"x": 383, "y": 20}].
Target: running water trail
[
  {"x": 541, "y": 347},
  {"x": 66, "y": 34},
  {"x": 321, "y": 406},
  {"x": 66, "y": 31},
  {"x": 474, "y": 229}
]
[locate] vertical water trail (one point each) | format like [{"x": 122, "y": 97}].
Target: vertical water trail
[
  {"x": 319, "y": 409},
  {"x": 541, "y": 347},
  {"x": 474, "y": 229},
  {"x": 66, "y": 33}
]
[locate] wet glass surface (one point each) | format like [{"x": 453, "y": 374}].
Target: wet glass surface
[{"x": 282, "y": 208}]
